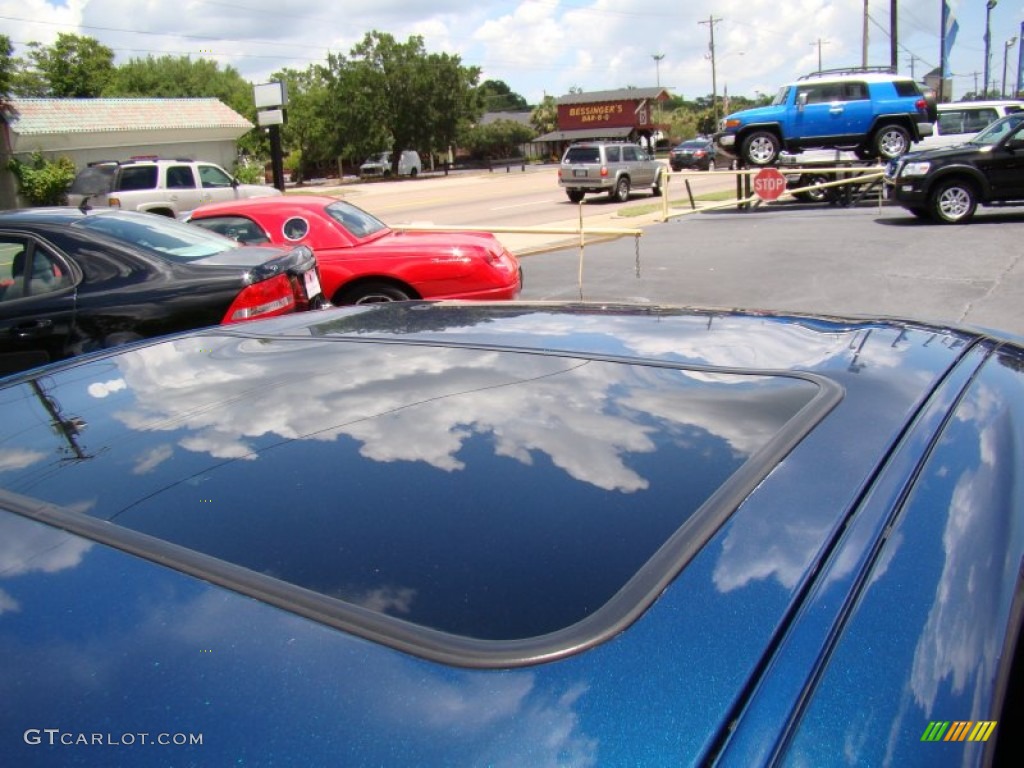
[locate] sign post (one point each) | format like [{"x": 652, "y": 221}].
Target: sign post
[
  {"x": 769, "y": 184},
  {"x": 275, "y": 96}
]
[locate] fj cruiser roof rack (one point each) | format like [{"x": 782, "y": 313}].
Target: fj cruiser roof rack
[{"x": 850, "y": 71}]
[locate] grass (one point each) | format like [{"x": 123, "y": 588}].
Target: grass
[{"x": 708, "y": 197}]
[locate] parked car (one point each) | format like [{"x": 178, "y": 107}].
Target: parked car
[
  {"x": 611, "y": 167},
  {"x": 363, "y": 260},
  {"x": 960, "y": 121},
  {"x": 380, "y": 164},
  {"x": 73, "y": 281},
  {"x": 159, "y": 185},
  {"x": 523, "y": 535},
  {"x": 875, "y": 114},
  {"x": 948, "y": 184},
  {"x": 699, "y": 154}
]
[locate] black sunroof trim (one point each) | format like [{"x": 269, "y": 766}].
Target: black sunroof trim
[{"x": 621, "y": 610}]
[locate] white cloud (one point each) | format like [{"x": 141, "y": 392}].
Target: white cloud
[{"x": 539, "y": 46}]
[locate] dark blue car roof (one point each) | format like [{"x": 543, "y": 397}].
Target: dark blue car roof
[
  {"x": 570, "y": 534},
  {"x": 461, "y": 497}
]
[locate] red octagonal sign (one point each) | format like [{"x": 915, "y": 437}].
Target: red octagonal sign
[{"x": 769, "y": 183}]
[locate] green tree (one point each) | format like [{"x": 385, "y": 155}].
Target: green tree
[
  {"x": 496, "y": 96},
  {"x": 544, "y": 117},
  {"x": 500, "y": 139},
  {"x": 179, "y": 77},
  {"x": 75, "y": 66},
  {"x": 306, "y": 134},
  {"x": 391, "y": 95},
  {"x": 7, "y": 63}
]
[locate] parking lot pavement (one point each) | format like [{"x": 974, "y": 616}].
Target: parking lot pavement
[{"x": 864, "y": 261}]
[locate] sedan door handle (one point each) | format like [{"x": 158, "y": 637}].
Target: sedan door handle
[{"x": 32, "y": 328}]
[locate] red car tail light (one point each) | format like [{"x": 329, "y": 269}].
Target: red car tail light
[
  {"x": 604, "y": 171},
  {"x": 266, "y": 298}
]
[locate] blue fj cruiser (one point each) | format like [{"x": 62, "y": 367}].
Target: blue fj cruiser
[{"x": 875, "y": 114}]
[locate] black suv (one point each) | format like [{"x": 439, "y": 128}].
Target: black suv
[
  {"x": 875, "y": 114},
  {"x": 948, "y": 184}
]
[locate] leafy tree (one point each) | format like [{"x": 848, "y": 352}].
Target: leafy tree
[
  {"x": 500, "y": 139},
  {"x": 42, "y": 181},
  {"x": 7, "y": 62},
  {"x": 496, "y": 96},
  {"x": 179, "y": 77},
  {"x": 544, "y": 117},
  {"x": 306, "y": 133},
  {"x": 75, "y": 66},
  {"x": 391, "y": 95}
]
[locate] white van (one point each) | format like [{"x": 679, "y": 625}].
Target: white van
[
  {"x": 958, "y": 121},
  {"x": 409, "y": 164}
]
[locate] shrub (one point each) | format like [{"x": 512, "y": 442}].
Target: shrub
[{"x": 42, "y": 181}]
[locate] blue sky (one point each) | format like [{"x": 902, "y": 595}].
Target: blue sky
[{"x": 547, "y": 46}]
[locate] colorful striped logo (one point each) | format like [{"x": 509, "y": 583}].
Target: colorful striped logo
[{"x": 959, "y": 730}]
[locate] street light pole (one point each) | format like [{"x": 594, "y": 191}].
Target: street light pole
[
  {"x": 988, "y": 43},
  {"x": 1006, "y": 51},
  {"x": 657, "y": 66}
]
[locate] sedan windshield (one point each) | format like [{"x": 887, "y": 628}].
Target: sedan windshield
[
  {"x": 999, "y": 129},
  {"x": 166, "y": 236},
  {"x": 355, "y": 220}
]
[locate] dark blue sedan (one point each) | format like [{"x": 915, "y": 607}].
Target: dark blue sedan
[{"x": 516, "y": 535}]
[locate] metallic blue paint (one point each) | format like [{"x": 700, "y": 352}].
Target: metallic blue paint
[{"x": 862, "y": 588}]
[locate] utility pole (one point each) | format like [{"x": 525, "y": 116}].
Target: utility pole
[
  {"x": 893, "y": 62},
  {"x": 864, "y": 39},
  {"x": 988, "y": 42},
  {"x": 714, "y": 77},
  {"x": 819, "y": 43},
  {"x": 912, "y": 60},
  {"x": 657, "y": 79}
]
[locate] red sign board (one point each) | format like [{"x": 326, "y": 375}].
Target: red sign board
[
  {"x": 769, "y": 183},
  {"x": 609, "y": 114}
]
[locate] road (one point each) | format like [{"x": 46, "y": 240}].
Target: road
[
  {"x": 530, "y": 198},
  {"x": 865, "y": 260}
]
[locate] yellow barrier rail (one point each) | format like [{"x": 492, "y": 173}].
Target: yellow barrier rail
[{"x": 853, "y": 176}]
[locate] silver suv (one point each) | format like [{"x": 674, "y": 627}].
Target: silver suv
[
  {"x": 614, "y": 167},
  {"x": 155, "y": 185}
]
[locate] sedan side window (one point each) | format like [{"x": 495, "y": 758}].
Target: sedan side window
[
  {"x": 27, "y": 269},
  {"x": 245, "y": 231}
]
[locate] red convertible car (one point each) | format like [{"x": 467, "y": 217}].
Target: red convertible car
[{"x": 361, "y": 259}]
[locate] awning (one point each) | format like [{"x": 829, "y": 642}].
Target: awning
[{"x": 586, "y": 133}]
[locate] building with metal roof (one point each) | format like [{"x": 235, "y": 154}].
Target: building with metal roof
[{"x": 88, "y": 130}]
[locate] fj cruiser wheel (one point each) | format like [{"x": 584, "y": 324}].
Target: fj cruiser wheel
[
  {"x": 761, "y": 148},
  {"x": 574, "y": 195},
  {"x": 891, "y": 141},
  {"x": 953, "y": 201},
  {"x": 621, "y": 190}
]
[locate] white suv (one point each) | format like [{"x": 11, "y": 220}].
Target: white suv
[
  {"x": 154, "y": 185},
  {"x": 960, "y": 120}
]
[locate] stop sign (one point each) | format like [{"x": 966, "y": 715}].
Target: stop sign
[{"x": 769, "y": 184}]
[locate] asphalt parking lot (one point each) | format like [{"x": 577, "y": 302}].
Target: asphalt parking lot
[{"x": 865, "y": 260}]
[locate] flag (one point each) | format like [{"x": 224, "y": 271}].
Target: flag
[{"x": 950, "y": 27}]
